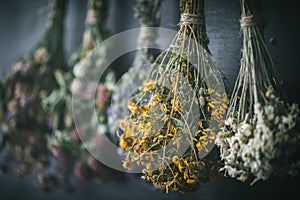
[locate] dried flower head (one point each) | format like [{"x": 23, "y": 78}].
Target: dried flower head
[
  {"x": 78, "y": 91},
  {"x": 24, "y": 123},
  {"x": 148, "y": 13},
  {"x": 169, "y": 134},
  {"x": 257, "y": 132}
]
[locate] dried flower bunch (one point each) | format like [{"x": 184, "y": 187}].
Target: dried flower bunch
[
  {"x": 85, "y": 62},
  {"x": 174, "y": 116},
  {"x": 257, "y": 140},
  {"x": 148, "y": 13},
  {"x": 24, "y": 124}
]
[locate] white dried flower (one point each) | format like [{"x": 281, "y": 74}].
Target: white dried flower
[
  {"x": 269, "y": 111},
  {"x": 80, "y": 70},
  {"x": 76, "y": 87},
  {"x": 102, "y": 129},
  {"x": 245, "y": 129}
]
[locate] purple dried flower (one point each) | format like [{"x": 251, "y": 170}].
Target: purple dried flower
[
  {"x": 94, "y": 164},
  {"x": 88, "y": 92},
  {"x": 81, "y": 171},
  {"x": 103, "y": 96}
]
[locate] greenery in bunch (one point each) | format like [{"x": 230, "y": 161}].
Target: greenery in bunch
[
  {"x": 148, "y": 13},
  {"x": 24, "y": 124},
  {"x": 66, "y": 141},
  {"x": 259, "y": 137},
  {"x": 175, "y": 114}
]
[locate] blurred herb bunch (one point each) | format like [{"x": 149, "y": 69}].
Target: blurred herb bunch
[{"x": 166, "y": 113}]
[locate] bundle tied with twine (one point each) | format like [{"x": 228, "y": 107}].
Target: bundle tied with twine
[
  {"x": 148, "y": 12},
  {"x": 174, "y": 115},
  {"x": 258, "y": 138},
  {"x": 24, "y": 124},
  {"x": 80, "y": 88}
]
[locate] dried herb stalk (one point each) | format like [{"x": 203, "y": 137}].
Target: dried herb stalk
[
  {"x": 23, "y": 122},
  {"x": 257, "y": 139},
  {"x": 168, "y": 134},
  {"x": 77, "y": 85},
  {"x": 148, "y": 13}
]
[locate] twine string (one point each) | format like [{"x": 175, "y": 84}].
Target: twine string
[
  {"x": 93, "y": 17},
  {"x": 191, "y": 19},
  {"x": 252, "y": 20}
]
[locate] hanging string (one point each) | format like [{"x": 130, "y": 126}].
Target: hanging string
[
  {"x": 93, "y": 17},
  {"x": 252, "y": 21},
  {"x": 191, "y": 19}
]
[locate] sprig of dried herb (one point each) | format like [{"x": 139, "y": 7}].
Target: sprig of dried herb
[
  {"x": 257, "y": 136},
  {"x": 148, "y": 13},
  {"x": 23, "y": 122},
  {"x": 76, "y": 83},
  {"x": 168, "y": 134}
]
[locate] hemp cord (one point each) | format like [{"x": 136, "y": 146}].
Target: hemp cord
[{"x": 191, "y": 19}]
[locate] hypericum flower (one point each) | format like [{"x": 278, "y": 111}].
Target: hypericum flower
[
  {"x": 167, "y": 133},
  {"x": 257, "y": 137},
  {"x": 148, "y": 13}
]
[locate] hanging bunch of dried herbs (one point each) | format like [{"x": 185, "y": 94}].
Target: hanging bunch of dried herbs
[
  {"x": 85, "y": 62},
  {"x": 174, "y": 116},
  {"x": 24, "y": 124},
  {"x": 148, "y": 13},
  {"x": 257, "y": 139}
]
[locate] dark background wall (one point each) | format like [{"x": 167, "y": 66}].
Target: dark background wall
[{"x": 21, "y": 24}]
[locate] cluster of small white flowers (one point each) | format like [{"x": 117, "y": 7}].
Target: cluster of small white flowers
[
  {"x": 260, "y": 137},
  {"x": 248, "y": 148}
]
